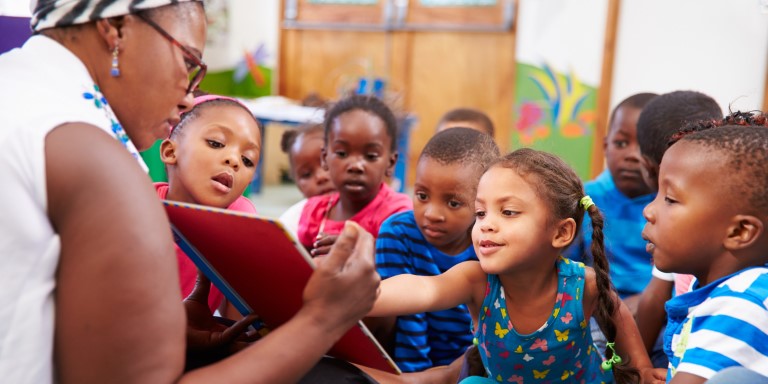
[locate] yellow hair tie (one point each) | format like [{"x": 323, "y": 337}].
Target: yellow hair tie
[{"x": 586, "y": 202}]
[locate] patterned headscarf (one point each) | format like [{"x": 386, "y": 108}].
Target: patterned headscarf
[{"x": 62, "y": 13}]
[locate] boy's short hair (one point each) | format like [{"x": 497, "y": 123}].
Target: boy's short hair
[
  {"x": 637, "y": 101},
  {"x": 290, "y": 135},
  {"x": 663, "y": 116},
  {"x": 746, "y": 151},
  {"x": 469, "y": 114},
  {"x": 462, "y": 146}
]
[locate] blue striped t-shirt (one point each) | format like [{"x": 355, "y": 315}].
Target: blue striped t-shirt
[
  {"x": 428, "y": 339},
  {"x": 723, "y": 324}
]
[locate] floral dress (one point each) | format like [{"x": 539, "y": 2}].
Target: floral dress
[{"x": 561, "y": 351}]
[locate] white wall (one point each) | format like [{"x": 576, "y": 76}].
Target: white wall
[{"x": 718, "y": 47}]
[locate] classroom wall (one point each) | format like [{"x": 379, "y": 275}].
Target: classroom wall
[{"x": 716, "y": 47}]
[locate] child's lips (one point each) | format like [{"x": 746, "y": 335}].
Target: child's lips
[
  {"x": 649, "y": 246},
  {"x": 432, "y": 231},
  {"x": 487, "y": 247},
  {"x": 223, "y": 182}
]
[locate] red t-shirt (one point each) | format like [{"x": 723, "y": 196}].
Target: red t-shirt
[{"x": 386, "y": 203}]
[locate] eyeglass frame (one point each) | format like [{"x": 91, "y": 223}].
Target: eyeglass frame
[{"x": 195, "y": 81}]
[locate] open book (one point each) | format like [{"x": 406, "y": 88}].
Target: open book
[{"x": 261, "y": 269}]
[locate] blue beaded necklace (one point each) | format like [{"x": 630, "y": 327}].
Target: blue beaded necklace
[{"x": 100, "y": 102}]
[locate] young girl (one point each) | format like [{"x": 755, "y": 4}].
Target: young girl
[
  {"x": 359, "y": 153},
  {"x": 304, "y": 147},
  {"x": 211, "y": 157},
  {"x": 530, "y": 306}
]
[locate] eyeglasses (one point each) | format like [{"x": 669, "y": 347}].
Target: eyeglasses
[{"x": 195, "y": 67}]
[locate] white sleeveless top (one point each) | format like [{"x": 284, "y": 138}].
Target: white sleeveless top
[{"x": 42, "y": 85}]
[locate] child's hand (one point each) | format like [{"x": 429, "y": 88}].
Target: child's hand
[
  {"x": 204, "y": 333},
  {"x": 653, "y": 375},
  {"x": 322, "y": 246}
]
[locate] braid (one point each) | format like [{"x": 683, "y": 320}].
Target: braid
[{"x": 606, "y": 305}]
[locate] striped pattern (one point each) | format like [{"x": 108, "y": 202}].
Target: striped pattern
[
  {"x": 429, "y": 339},
  {"x": 62, "y": 13},
  {"x": 723, "y": 324}
]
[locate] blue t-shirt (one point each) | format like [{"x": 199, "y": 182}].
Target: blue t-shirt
[
  {"x": 723, "y": 324},
  {"x": 428, "y": 339},
  {"x": 631, "y": 265}
]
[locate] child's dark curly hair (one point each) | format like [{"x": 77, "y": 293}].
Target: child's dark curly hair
[{"x": 739, "y": 118}]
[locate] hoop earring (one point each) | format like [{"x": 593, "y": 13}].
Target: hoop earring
[{"x": 115, "y": 72}]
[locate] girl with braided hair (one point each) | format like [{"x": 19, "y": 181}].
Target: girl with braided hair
[{"x": 530, "y": 306}]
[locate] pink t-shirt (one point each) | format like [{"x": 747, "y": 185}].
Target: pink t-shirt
[
  {"x": 187, "y": 269},
  {"x": 386, "y": 203}
]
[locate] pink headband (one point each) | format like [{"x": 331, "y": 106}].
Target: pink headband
[{"x": 205, "y": 98}]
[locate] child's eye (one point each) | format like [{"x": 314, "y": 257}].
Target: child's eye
[
  {"x": 305, "y": 175},
  {"x": 621, "y": 143},
  {"x": 508, "y": 212},
  {"x": 215, "y": 144},
  {"x": 454, "y": 204},
  {"x": 421, "y": 196},
  {"x": 248, "y": 163},
  {"x": 480, "y": 214},
  {"x": 340, "y": 154},
  {"x": 372, "y": 156},
  {"x": 669, "y": 200}
]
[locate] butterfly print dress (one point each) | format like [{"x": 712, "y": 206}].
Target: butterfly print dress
[{"x": 561, "y": 351}]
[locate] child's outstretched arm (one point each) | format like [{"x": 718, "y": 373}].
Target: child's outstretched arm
[{"x": 409, "y": 294}]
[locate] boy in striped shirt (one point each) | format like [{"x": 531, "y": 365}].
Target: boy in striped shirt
[
  {"x": 709, "y": 220},
  {"x": 431, "y": 239}
]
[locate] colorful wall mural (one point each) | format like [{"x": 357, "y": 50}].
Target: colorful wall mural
[
  {"x": 559, "y": 53},
  {"x": 554, "y": 112}
]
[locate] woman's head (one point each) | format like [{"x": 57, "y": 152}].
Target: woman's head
[
  {"x": 157, "y": 45},
  {"x": 304, "y": 147},
  {"x": 212, "y": 153},
  {"x": 360, "y": 141}
]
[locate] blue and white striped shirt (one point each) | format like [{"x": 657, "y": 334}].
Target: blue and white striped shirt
[
  {"x": 720, "y": 325},
  {"x": 428, "y": 339}
]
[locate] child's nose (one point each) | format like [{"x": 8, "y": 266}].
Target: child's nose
[
  {"x": 356, "y": 165},
  {"x": 232, "y": 161},
  {"x": 433, "y": 213},
  {"x": 648, "y": 212}
]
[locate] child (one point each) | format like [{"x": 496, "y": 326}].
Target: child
[
  {"x": 621, "y": 194},
  {"x": 211, "y": 157},
  {"x": 304, "y": 147},
  {"x": 434, "y": 237},
  {"x": 709, "y": 220},
  {"x": 658, "y": 122},
  {"x": 466, "y": 118},
  {"x": 530, "y": 306},
  {"x": 359, "y": 154}
]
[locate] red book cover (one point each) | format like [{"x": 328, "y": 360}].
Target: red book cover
[{"x": 261, "y": 269}]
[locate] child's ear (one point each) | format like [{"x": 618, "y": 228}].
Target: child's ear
[
  {"x": 743, "y": 232},
  {"x": 650, "y": 171},
  {"x": 564, "y": 233},
  {"x": 323, "y": 162},
  {"x": 168, "y": 152},
  {"x": 392, "y": 161}
]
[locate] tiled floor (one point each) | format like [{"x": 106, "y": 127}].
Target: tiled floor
[{"x": 275, "y": 199}]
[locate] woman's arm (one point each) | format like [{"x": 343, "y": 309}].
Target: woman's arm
[{"x": 119, "y": 318}]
